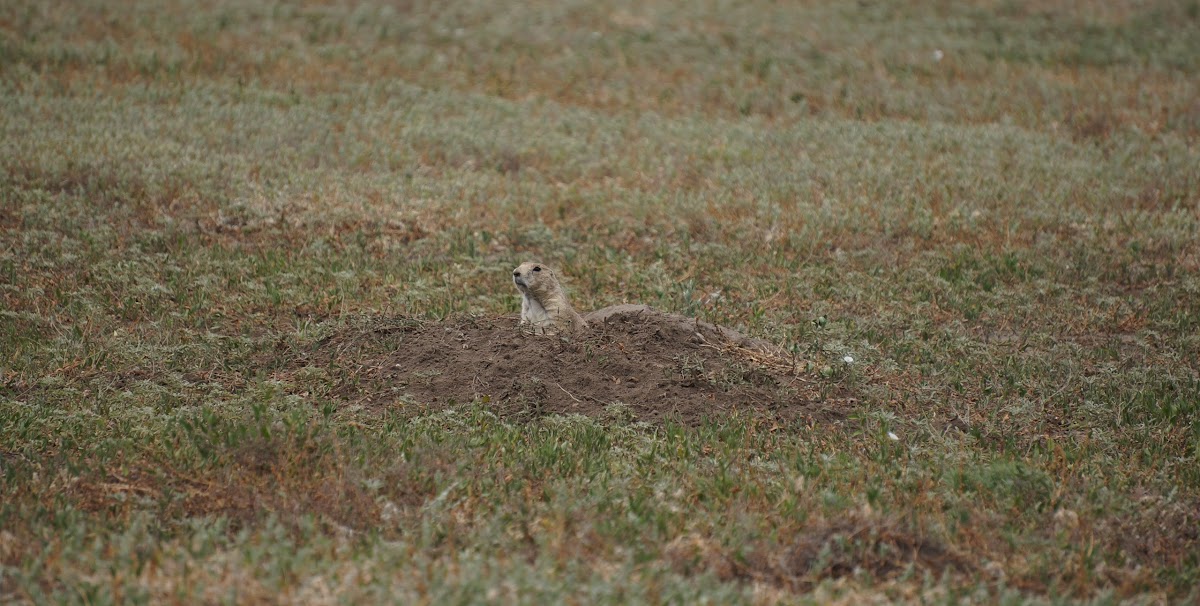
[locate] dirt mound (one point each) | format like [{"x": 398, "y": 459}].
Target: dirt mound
[{"x": 633, "y": 362}]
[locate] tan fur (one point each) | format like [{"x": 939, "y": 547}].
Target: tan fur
[{"x": 544, "y": 304}]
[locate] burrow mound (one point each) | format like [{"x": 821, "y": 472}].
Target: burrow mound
[{"x": 632, "y": 362}]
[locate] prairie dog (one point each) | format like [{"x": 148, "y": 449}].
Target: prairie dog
[{"x": 544, "y": 303}]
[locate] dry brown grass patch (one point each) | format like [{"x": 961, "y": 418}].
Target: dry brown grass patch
[{"x": 856, "y": 544}]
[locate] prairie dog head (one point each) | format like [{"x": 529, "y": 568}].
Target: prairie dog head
[
  {"x": 544, "y": 303},
  {"x": 535, "y": 280}
]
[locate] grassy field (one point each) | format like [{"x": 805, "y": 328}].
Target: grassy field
[{"x": 993, "y": 207}]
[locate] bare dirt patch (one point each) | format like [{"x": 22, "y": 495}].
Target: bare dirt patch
[{"x": 633, "y": 361}]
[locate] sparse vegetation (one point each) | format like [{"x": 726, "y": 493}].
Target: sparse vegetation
[{"x": 217, "y": 219}]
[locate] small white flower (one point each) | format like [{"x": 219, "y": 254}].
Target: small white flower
[
  {"x": 893, "y": 437},
  {"x": 848, "y": 359},
  {"x": 938, "y": 55}
]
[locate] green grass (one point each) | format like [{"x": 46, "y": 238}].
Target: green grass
[{"x": 1004, "y": 239}]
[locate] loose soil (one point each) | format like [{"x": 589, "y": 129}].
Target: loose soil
[{"x": 633, "y": 362}]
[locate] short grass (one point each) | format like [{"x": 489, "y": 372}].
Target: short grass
[{"x": 993, "y": 207}]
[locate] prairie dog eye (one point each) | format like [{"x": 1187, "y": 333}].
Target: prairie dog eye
[{"x": 537, "y": 268}]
